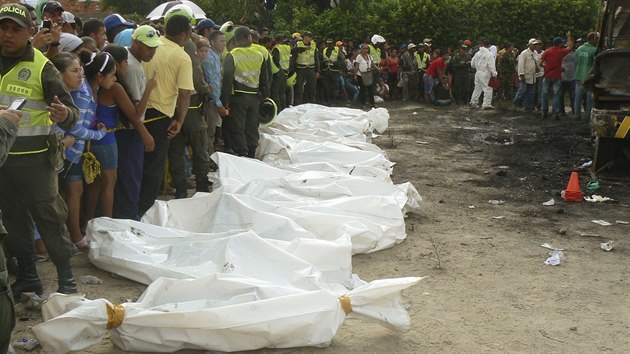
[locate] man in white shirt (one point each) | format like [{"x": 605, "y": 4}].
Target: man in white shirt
[
  {"x": 483, "y": 63},
  {"x": 526, "y": 69}
]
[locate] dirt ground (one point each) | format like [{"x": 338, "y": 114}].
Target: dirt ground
[{"x": 487, "y": 288}]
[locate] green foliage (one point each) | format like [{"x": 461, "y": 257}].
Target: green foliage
[{"x": 445, "y": 21}]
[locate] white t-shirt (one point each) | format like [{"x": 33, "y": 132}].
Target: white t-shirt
[
  {"x": 364, "y": 64},
  {"x": 135, "y": 81}
]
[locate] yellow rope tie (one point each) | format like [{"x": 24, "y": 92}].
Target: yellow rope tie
[
  {"x": 91, "y": 166},
  {"x": 115, "y": 315},
  {"x": 344, "y": 300}
]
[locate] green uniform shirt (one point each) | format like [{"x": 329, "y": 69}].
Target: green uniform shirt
[{"x": 584, "y": 56}]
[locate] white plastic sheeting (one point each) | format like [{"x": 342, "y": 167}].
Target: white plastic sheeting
[
  {"x": 144, "y": 252},
  {"x": 256, "y": 295},
  {"x": 318, "y": 138},
  {"x": 269, "y": 250},
  {"x": 285, "y": 205}
]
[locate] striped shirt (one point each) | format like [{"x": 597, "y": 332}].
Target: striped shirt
[{"x": 85, "y": 128}]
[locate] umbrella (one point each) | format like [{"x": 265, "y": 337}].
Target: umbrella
[{"x": 162, "y": 10}]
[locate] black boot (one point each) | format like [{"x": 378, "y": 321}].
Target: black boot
[
  {"x": 66, "y": 282},
  {"x": 27, "y": 280},
  {"x": 203, "y": 185}
]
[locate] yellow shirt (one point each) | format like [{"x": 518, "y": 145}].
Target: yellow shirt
[{"x": 174, "y": 69}]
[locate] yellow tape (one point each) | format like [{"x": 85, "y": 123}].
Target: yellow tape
[
  {"x": 345, "y": 304},
  {"x": 623, "y": 128},
  {"x": 115, "y": 315}
]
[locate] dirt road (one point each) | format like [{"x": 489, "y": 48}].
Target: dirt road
[{"x": 487, "y": 288}]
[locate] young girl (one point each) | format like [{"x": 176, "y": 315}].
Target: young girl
[
  {"x": 99, "y": 71},
  {"x": 112, "y": 101}
]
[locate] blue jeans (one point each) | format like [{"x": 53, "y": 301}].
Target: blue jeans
[
  {"x": 526, "y": 92},
  {"x": 581, "y": 95},
  {"x": 544, "y": 100}
]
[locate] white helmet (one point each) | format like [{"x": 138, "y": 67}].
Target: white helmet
[{"x": 377, "y": 39}]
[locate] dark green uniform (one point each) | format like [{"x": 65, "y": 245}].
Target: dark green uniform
[
  {"x": 281, "y": 56},
  {"x": 305, "y": 62},
  {"x": 7, "y": 311},
  {"x": 245, "y": 82},
  {"x": 333, "y": 61},
  {"x": 28, "y": 177},
  {"x": 506, "y": 68},
  {"x": 193, "y": 133},
  {"x": 460, "y": 64}
]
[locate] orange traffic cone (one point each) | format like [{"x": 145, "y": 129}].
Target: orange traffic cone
[{"x": 573, "y": 193}]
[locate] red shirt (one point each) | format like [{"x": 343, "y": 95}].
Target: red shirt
[
  {"x": 438, "y": 63},
  {"x": 553, "y": 62}
]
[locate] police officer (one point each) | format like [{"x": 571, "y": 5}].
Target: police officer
[
  {"x": 376, "y": 53},
  {"x": 422, "y": 60},
  {"x": 9, "y": 123},
  {"x": 281, "y": 57},
  {"x": 29, "y": 178},
  {"x": 194, "y": 128},
  {"x": 245, "y": 82},
  {"x": 306, "y": 63},
  {"x": 333, "y": 61}
]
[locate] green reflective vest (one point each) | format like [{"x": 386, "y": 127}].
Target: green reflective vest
[
  {"x": 375, "y": 54},
  {"x": 25, "y": 80},
  {"x": 284, "y": 52},
  {"x": 247, "y": 67},
  {"x": 421, "y": 60},
  {"x": 307, "y": 57},
  {"x": 334, "y": 54}
]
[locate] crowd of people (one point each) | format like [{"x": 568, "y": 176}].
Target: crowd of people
[{"x": 113, "y": 110}]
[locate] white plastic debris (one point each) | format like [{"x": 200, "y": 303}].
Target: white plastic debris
[
  {"x": 496, "y": 202},
  {"x": 622, "y": 222},
  {"x": 607, "y": 246},
  {"x": 499, "y": 217},
  {"x": 550, "y": 247},
  {"x": 555, "y": 256},
  {"x": 585, "y": 165},
  {"x": 471, "y": 207},
  {"x": 601, "y": 222},
  {"x": 597, "y": 199},
  {"x": 553, "y": 260},
  {"x": 550, "y": 202}
]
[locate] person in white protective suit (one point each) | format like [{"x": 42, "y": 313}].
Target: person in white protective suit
[{"x": 483, "y": 63}]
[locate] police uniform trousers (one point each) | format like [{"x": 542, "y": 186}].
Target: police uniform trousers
[
  {"x": 213, "y": 120},
  {"x": 130, "y": 164},
  {"x": 193, "y": 133},
  {"x": 7, "y": 309},
  {"x": 331, "y": 84},
  {"x": 305, "y": 86},
  {"x": 243, "y": 124},
  {"x": 153, "y": 165},
  {"x": 279, "y": 89},
  {"x": 29, "y": 187}
]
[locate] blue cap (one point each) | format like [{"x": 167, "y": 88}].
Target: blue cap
[
  {"x": 124, "y": 37},
  {"x": 558, "y": 41},
  {"x": 115, "y": 20},
  {"x": 203, "y": 24}
]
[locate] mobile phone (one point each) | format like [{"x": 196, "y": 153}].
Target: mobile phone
[
  {"x": 18, "y": 104},
  {"x": 47, "y": 24}
]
